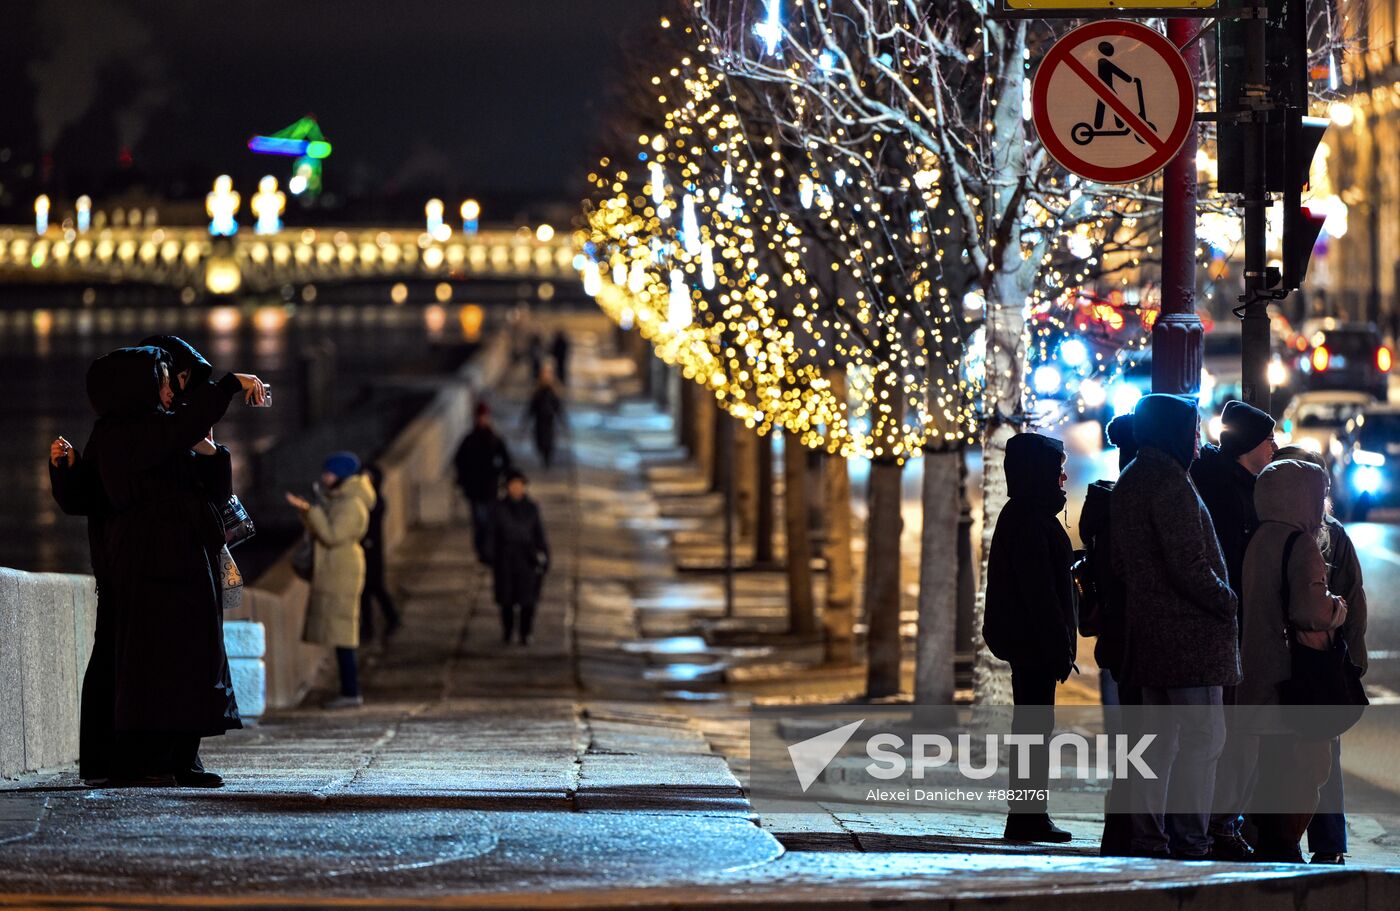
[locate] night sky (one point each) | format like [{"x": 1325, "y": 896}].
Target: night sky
[{"x": 497, "y": 98}]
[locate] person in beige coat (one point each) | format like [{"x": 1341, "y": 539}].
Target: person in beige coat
[
  {"x": 1265, "y": 764},
  {"x": 338, "y": 578}
]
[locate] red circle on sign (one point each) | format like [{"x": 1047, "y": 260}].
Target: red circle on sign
[{"x": 1168, "y": 147}]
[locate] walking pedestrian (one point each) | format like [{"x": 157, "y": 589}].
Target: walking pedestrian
[
  {"x": 337, "y": 526},
  {"x": 376, "y": 584},
  {"x": 482, "y": 461},
  {"x": 1224, "y": 475},
  {"x": 1285, "y": 584},
  {"x": 1327, "y": 833},
  {"x": 161, "y": 542},
  {"x": 559, "y": 348},
  {"x": 1029, "y": 620},
  {"x": 519, "y": 557},
  {"x": 545, "y": 412},
  {"x": 1182, "y": 642}
]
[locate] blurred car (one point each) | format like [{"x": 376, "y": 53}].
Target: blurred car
[
  {"x": 1366, "y": 463},
  {"x": 1341, "y": 355},
  {"x": 1314, "y": 419}
]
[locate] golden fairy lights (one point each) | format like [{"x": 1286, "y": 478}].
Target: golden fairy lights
[{"x": 806, "y": 266}]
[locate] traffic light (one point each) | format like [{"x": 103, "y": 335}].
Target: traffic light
[
  {"x": 1290, "y": 137},
  {"x": 1300, "y": 225}
]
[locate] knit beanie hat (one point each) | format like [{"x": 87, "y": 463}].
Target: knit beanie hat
[
  {"x": 342, "y": 464},
  {"x": 1244, "y": 427}
]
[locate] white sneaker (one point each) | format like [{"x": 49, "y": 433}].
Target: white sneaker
[{"x": 345, "y": 702}]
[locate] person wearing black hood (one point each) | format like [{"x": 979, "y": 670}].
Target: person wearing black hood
[
  {"x": 1224, "y": 476},
  {"x": 1029, "y": 620},
  {"x": 1182, "y": 643},
  {"x": 161, "y": 541},
  {"x": 103, "y": 757}
]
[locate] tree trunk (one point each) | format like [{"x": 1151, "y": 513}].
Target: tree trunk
[
  {"x": 703, "y": 431},
  {"x": 967, "y": 570},
  {"x": 686, "y": 404},
  {"x": 764, "y": 520},
  {"x": 746, "y": 482},
  {"x": 882, "y": 564},
  {"x": 1005, "y": 409},
  {"x": 802, "y": 613},
  {"x": 938, "y": 571},
  {"x": 719, "y": 463},
  {"x": 839, "y": 616}
]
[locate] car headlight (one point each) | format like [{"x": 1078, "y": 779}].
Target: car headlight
[
  {"x": 1278, "y": 374},
  {"x": 1215, "y": 426},
  {"x": 1311, "y": 444},
  {"x": 1366, "y": 480},
  {"x": 1368, "y": 458},
  {"x": 1093, "y": 394},
  {"x": 1124, "y": 398},
  {"x": 1074, "y": 353},
  {"x": 1046, "y": 380}
]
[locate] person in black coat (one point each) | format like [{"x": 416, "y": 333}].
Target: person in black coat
[
  {"x": 482, "y": 461},
  {"x": 376, "y": 585},
  {"x": 545, "y": 412},
  {"x": 103, "y": 756},
  {"x": 1029, "y": 619},
  {"x": 1224, "y": 475},
  {"x": 77, "y": 490},
  {"x": 161, "y": 547},
  {"x": 519, "y": 556}
]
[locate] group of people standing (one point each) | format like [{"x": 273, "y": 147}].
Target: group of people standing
[{"x": 1205, "y": 562}]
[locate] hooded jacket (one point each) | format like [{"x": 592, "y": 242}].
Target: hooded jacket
[
  {"x": 1289, "y": 497},
  {"x": 1181, "y": 617},
  {"x": 183, "y": 356},
  {"x": 338, "y": 579},
  {"x": 1029, "y": 618},
  {"x": 1227, "y": 489},
  {"x": 161, "y": 539}
]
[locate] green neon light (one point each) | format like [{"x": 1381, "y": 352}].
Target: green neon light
[{"x": 318, "y": 149}]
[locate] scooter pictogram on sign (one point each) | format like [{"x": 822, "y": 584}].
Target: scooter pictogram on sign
[
  {"x": 1082, "y": 133},
  {"x": 1113, "y": 101}
]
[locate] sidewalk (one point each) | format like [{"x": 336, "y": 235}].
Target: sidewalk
[{"x": 593, "y": 768}]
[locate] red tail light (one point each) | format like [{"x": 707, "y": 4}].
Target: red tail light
[
  {"x": 1321, "y": 357},
  {"x": 1384, "y": 359}
]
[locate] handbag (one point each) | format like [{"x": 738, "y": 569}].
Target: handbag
[
  {"x": 1320, "y": 677},
  {"x": 238, "y": 525},
  {"x": 304, "y": 557},
  {"x": 231, "y": 581}
]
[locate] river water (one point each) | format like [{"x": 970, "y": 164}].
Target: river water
[{"x": 381, "y": 350}]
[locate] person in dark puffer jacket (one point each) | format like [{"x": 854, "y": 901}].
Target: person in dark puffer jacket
[
  {"x": 1182, "y": 643},
  {"x": 1029, "y": 619}
]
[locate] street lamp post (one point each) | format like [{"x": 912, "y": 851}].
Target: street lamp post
[{"x": 1177, "y": 334}]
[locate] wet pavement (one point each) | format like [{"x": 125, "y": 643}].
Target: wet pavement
[{"x": 578, "y": 771}]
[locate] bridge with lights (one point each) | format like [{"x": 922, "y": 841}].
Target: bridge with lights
[{"x": 190, "y": 257}]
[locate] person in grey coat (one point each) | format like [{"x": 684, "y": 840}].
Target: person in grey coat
[
  {"x": 1182, "y": 642},
  {"x": 1268, "y": 769},
  {"x": 1327, "y": 833}
]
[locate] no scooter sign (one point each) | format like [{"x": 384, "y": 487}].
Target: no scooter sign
[{"x": 1113, "y": 101}]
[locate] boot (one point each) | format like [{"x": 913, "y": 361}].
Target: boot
[{"x": 1034, "y": 827}]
